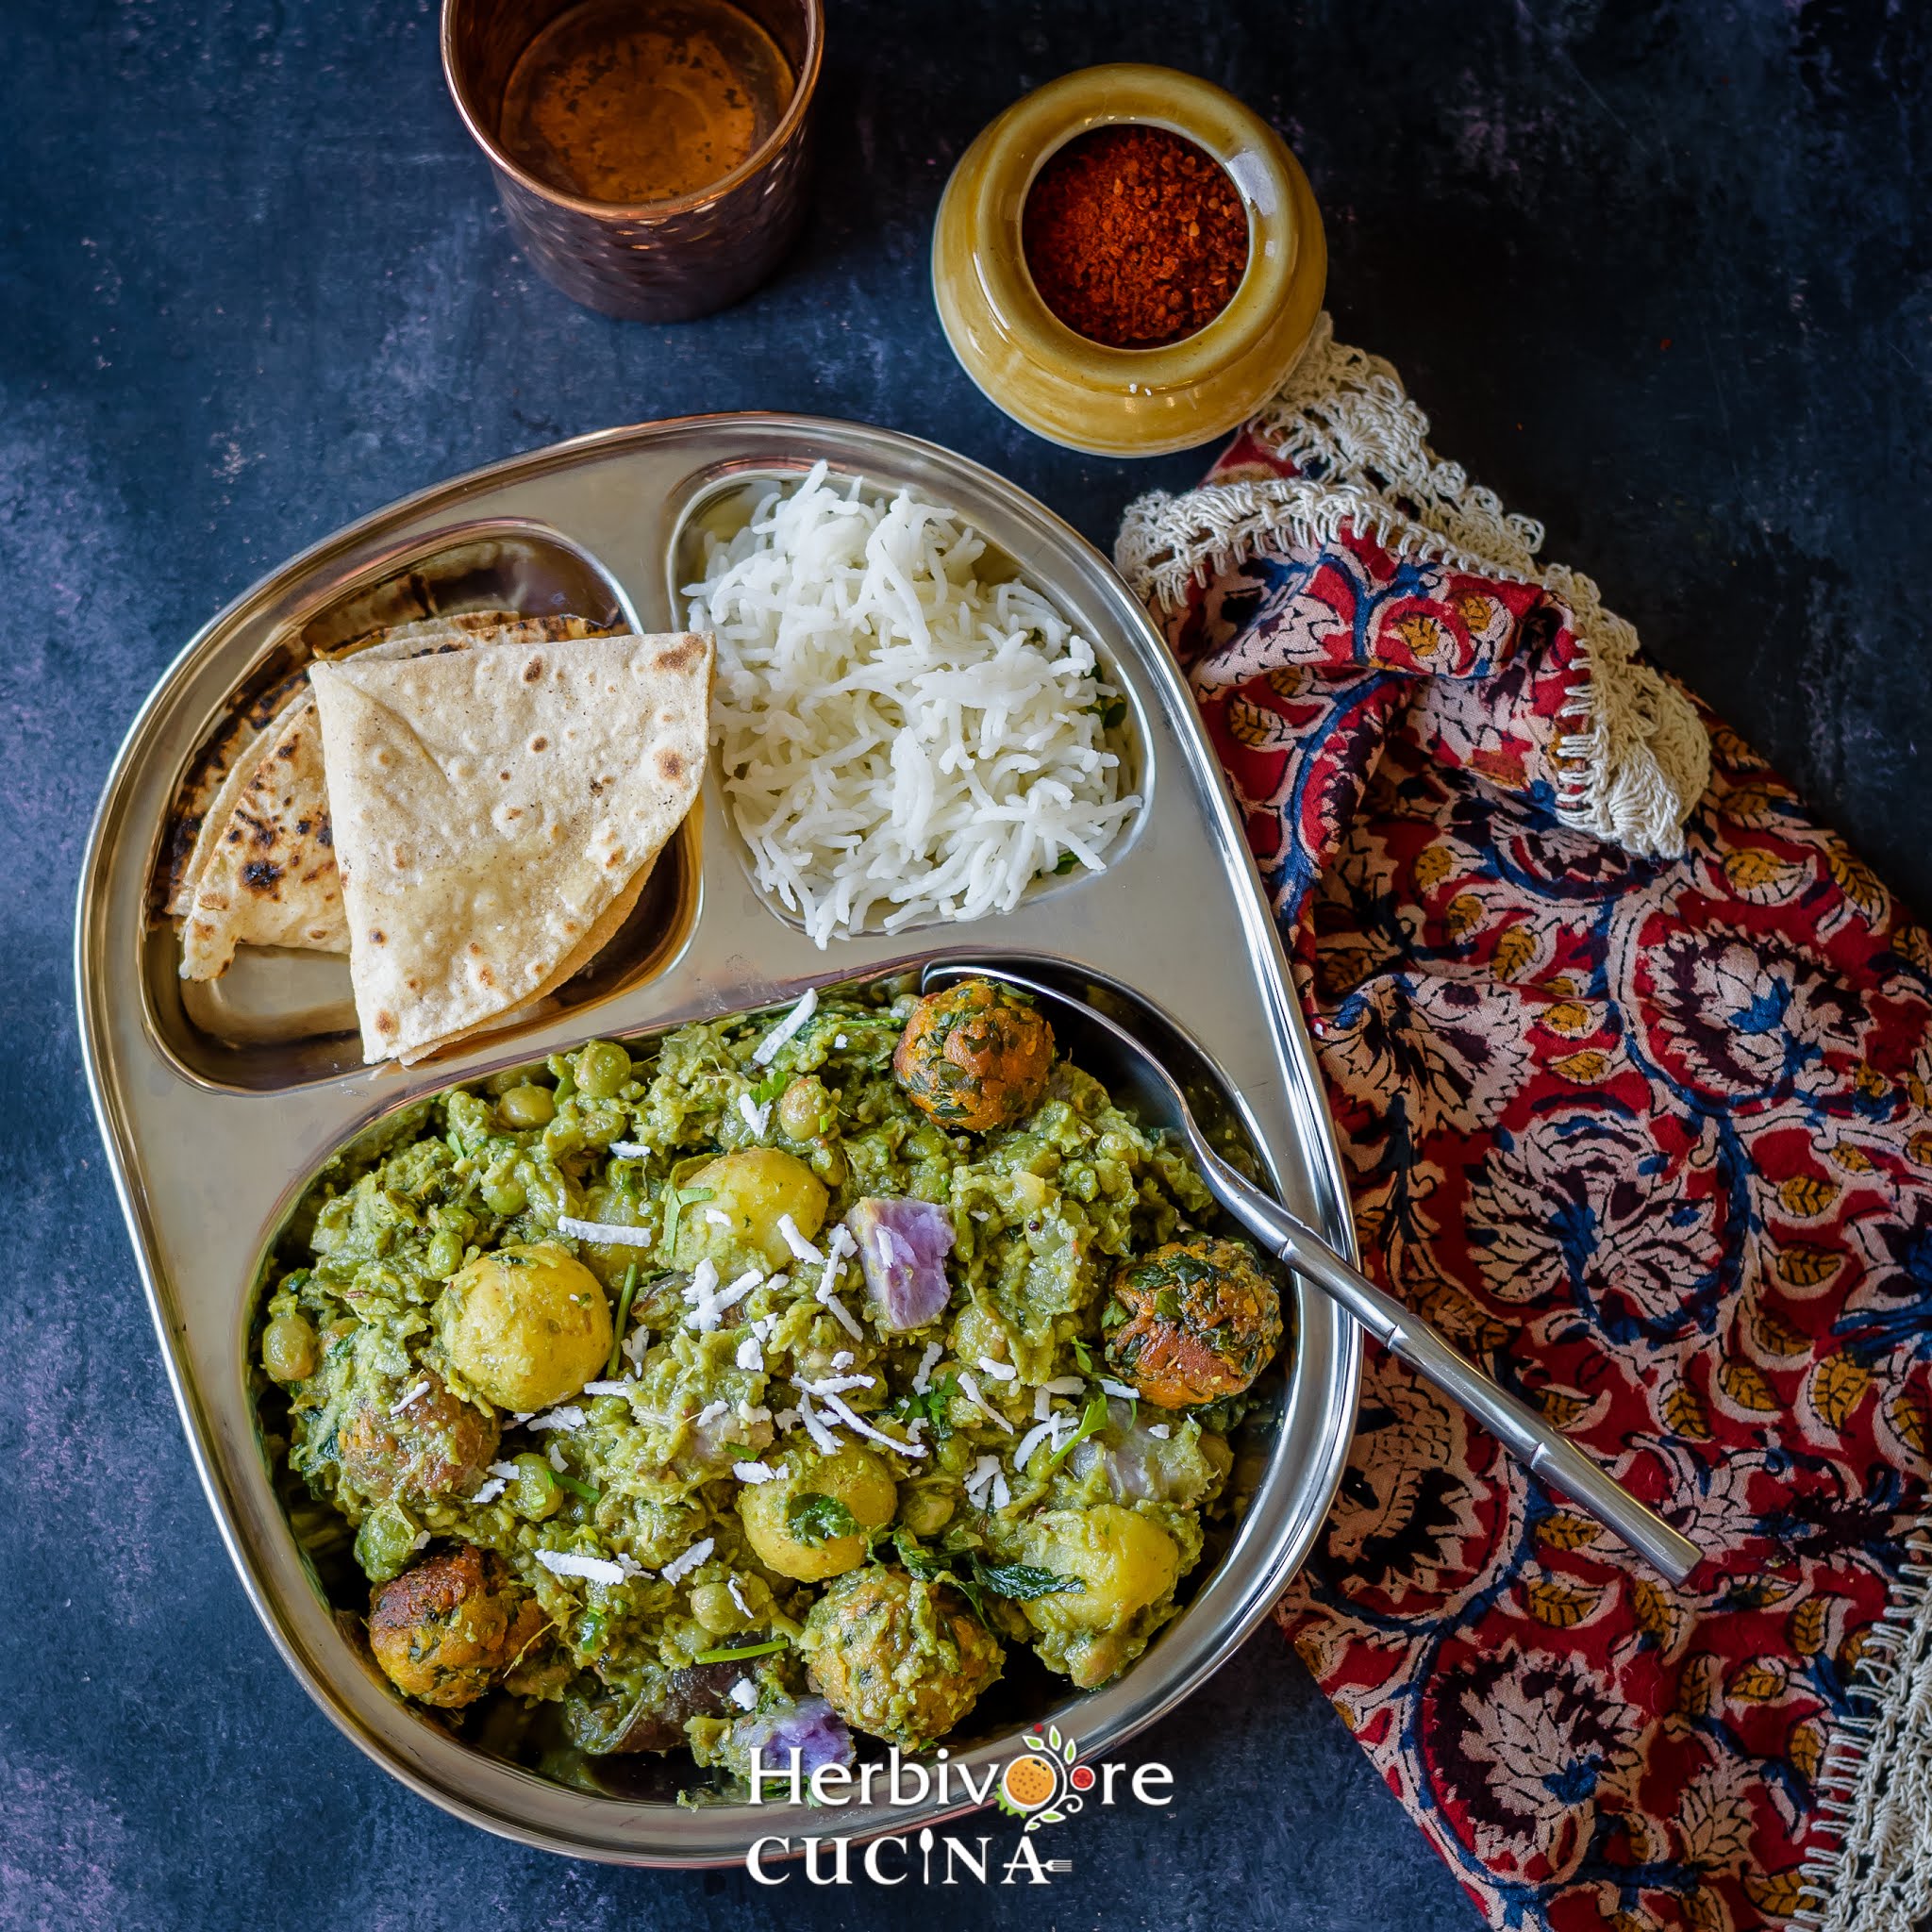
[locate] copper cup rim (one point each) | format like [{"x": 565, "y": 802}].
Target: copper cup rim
[{"x": 803, "y": 86}]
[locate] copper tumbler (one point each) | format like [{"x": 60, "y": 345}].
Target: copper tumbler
[{"x": 657, "y": 261}]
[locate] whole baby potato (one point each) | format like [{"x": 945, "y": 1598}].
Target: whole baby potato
[
  {"x": 812, "y": 1521},
  {"x": 751, "y": 1189},
  {"x": 1123, "y": 1562},
  {"x": 524, "y": 1326}
]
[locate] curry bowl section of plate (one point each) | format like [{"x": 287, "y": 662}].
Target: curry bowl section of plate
[
  {"x": 218, "y": 1104},
  {"x": 354, "y": 1390}
]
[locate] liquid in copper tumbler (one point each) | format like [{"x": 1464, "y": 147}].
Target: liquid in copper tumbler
[{"x": 629, "y": 104}]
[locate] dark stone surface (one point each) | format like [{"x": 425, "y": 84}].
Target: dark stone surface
[{"x": 1662, "y": 274}]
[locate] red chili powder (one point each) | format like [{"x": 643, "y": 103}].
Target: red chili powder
[{"x": 1134, "y": 236}]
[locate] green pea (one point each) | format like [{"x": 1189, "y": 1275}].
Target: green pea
[
  {"x": 446, "y": 1256},
  {"x": 534, "y": 1491},
  {"x": 713, "y": 1605},
  {"x": 289, "y": 1348},
  {"x": 505, "y": 1196},
  {"x": 385, "y": 1543},
  {"x": 502, "y": 1192},
  {"x": 527, "y": 1107},
  {"x": 600, "y": 1124},
  {"x": 602, "y": 1067},
  {"x": 804, "y": 1109}
]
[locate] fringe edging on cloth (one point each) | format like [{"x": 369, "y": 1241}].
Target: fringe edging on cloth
[
  {"x": 1874, "y": 1871},
  {"x": 1636, "y": 758}
]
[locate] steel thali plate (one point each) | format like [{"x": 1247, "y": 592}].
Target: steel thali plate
[{"x": 218, "y": 1108}]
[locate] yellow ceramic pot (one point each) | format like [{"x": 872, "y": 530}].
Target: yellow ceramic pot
[{"x": 1082, "y": 393}]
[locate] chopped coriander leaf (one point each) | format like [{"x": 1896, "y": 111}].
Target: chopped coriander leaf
[
  {"x": 1093, "y": 1418},
  {"x": 813, "y": 1519}
]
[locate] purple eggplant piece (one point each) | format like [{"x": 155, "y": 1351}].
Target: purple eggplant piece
[
  {"x": 811, "y": 1728},
  {"x": 903, "y": 1247}
]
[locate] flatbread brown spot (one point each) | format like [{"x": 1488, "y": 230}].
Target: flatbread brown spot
[
  {"x": 539, "y": 744},
  {"x": 533, "y": 670},
  {"x": 377, "y": 937},
  {"x": 505, "y": 776},
  {"x": 485, "y": 977},
  {"x": 671, "y": 766},
  {"x": 683, "y": 657},
  {"x": 261, "y": 874},
  {"x": 386, "y": 1022}
]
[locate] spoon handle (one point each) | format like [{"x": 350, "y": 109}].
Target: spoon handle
[{"x": 1545, "y": 1451}]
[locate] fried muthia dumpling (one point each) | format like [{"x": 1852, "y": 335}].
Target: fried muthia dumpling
[
  {"x": 413, "y": 1447},
  {"x": 1193, "y": 1322},
  {"x": 898, "y": 1658},
  {"x": 975, "y": 1055},
  {"x": 445, "y": 1630}
]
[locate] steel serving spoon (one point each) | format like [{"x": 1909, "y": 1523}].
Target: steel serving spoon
[{"x": 1134, "y": 1074}]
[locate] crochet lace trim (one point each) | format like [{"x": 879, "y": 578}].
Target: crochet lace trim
[
  {"x": 1633, "y": 758},
  {"x": 1871, "y": 1870}
]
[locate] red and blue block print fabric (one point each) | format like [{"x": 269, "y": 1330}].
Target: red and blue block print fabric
[{"x": 1650, "y": 1139}]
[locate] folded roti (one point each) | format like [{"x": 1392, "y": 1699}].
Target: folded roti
[
  {"x": 227, "y": 760},
  {"x": 270, "y": 879},
  {"x": 493, "y": 810},
  {"x": 264, "y": 872}
]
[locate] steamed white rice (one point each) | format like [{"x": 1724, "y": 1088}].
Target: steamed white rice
[{"x": 900, "y": 741}]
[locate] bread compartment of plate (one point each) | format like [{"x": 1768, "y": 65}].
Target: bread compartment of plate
[
  {"x": 718, "y": 501},
  {"x": 1029, "y": 1695},
  {"x": 282, "y": 1017}
]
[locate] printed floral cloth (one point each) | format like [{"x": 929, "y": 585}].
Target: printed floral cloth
[{"x": 1648, "y": 1137}]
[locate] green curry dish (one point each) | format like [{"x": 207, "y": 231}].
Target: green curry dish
[{"x": 581, "y": 1361}]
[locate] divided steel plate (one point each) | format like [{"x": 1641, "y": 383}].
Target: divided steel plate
[{"x": 218, "y": 1105}]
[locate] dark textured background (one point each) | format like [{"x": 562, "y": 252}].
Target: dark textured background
[{"x": 1662, "y": 275}]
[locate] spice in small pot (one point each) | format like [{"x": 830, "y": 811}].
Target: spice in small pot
[{"x": 1134, "y": 236}]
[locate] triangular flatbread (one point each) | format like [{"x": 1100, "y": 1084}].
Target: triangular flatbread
[
  {"x": 493, "y": 809},
  {"x": 264, "y": 872},
  {"x": 227, "y": 760}
]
